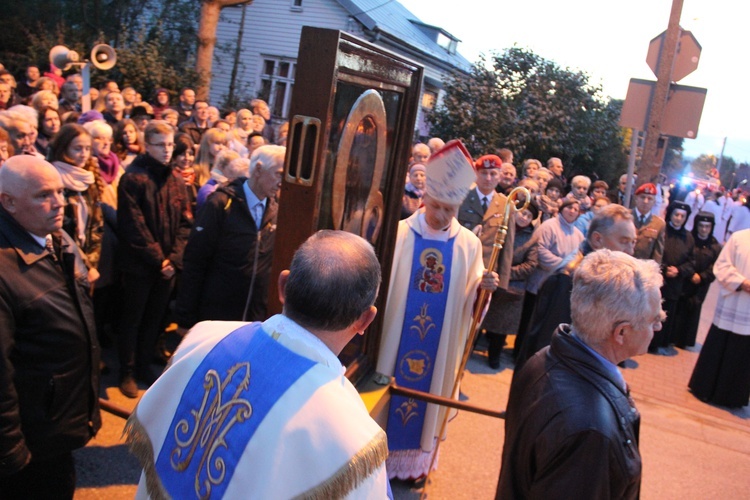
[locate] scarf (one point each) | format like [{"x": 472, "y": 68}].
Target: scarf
[
  {"x": 109, "y": 166},
  {"x": 188, "y": 175},
  {"x": 74, "y": 178},
  {"x": 419, "y": 192},
  {"x": 242, "y": 134},
  {"x": 78, "y": 180}
]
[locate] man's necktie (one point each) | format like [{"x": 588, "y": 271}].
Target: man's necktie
[
  {"x": 643, "y": 220},
  {"x": 50, "y": 247},
  {"x": 484, "y": 205}
]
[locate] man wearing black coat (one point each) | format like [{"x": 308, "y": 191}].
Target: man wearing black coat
[
  {"x": 227, "y": 262},
  {"x": 612, "y": 228},
  {"x": 153, "y": 222},
  {"x": 49, "y": 354},
  {"x": 571, "y": 428}
]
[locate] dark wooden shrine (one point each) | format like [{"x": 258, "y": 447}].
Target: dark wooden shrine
[{"x": 352, "y": 121}]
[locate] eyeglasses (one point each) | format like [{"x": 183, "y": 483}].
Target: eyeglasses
[{"x": 162, "y": 145}]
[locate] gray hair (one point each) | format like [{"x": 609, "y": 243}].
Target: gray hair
[
  {"x": 607, "y": 217},
  {"x": 421, "y": 146},
  {"x": 612, "y": 287},
  {"x": 267, "y": 157},
  {"x": 237, "y": 168},
  {"x": 547, "y": 173},
  {"x": 581, "y": 180},
  {"x": 334, "y": 278},
  {"x": 435, "y": 144},
  {"x": 528, "y": 162},
  {"x": 98, "y": 128},
  {"x": 10, "y": 118}
]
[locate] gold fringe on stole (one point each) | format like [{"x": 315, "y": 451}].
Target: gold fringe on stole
[
  {"x": 140, "y": 446},
  {"x": 350, "y": 475}
]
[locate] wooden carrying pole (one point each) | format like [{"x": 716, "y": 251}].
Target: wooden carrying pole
[{"x": 497, "y": 247}]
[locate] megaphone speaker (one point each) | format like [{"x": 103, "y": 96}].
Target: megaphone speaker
[
  {"x": 63, "y": 57},
  {"x": 103, "y": 57}
]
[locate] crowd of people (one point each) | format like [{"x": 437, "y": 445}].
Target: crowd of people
[
  {"x": 547, "y": 243},
  {"x": 122, "y": 219}
]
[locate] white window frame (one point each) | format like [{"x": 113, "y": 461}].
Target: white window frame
[{"x": 274, "y": 79}]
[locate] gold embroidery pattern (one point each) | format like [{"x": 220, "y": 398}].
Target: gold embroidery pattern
[
  {"x": 407, "y": 410},
  {"x": 210, "y": 425},
  {"x": 425, "y": 322}
]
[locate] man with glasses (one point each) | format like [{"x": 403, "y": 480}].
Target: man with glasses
[
  {"x": 154, "y": 221},
  {"x": 572, "y": 428}
]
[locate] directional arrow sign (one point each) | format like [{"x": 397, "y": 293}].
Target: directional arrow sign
[{"x": 686, "y": 59}]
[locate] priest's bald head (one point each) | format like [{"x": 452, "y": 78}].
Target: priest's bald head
[{"x": 331, "y": 286}]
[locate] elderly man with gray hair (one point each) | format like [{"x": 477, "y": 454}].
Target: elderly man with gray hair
[
  {"x": 612, "y": 228},
  {"x": 572, "y": 429},
  {"x": 227, "y": 261}
]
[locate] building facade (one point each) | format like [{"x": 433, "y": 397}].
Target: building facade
[{"x": 257, "y": 56}]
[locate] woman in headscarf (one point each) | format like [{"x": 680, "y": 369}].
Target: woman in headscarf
[
  {"x": 677, "y": 265},
  {"x": 695, "y": 287}
]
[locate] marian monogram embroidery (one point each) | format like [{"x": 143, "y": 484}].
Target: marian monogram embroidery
[{"x": 204, "y": 435}]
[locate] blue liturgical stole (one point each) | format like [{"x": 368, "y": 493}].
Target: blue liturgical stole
[
  {"x": 226, "y": 399},
  {"x": 420, "y": 337}
]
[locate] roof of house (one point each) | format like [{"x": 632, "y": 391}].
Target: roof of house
[{"x": 392, "y": 18}]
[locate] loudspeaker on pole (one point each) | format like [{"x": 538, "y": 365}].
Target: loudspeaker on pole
[
  {"x": 103, "y": 57},
  {"x": 63, "y": 57}
]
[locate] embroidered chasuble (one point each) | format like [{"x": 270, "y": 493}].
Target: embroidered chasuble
[
  {"x": 422, "y": 293},
  {"x": 242, "y": 412}
]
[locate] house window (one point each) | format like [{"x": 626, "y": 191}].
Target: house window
[
  {"x": 428, "y": 100},
  {"x": 296, "y": 6},
  {"x": 276, "y": 84}
]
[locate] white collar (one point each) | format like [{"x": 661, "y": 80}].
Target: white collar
[
  {"x": 482, "y": 195},
  {"x": 296, "y": 338},
  {"x": 41, "y": 240}
]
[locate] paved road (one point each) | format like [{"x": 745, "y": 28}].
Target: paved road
[{"x": 691, "y": 450}]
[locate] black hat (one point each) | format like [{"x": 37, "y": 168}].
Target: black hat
[
  {"x": 678, "y": 205},
  {"x": 141, "y": 111}
]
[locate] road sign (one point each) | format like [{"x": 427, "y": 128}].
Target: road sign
[
  {"x": 686, "y": 59},
  {"x": 681, "y": 116}
]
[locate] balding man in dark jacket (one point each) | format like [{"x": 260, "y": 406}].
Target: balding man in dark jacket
[{"x": 49, "y": 355}]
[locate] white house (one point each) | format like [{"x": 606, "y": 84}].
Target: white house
[{"x": 270, "y": 38}]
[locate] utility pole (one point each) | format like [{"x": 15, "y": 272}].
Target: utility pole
[
  {"x": 654, "y": 146},
  {"x": 721, "y": 156}
]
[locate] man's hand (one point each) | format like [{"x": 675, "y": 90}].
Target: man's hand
[
  {"x": 490, "y": 281},
  {"x": 167, "y": 269},
  {"x": 93, "y": 275},
  {"x": 477, "y": 230},
  {"x": 745, "y": 286},
  {"x": 672, "y": 272},
  {"x": 696, "y": 279}
]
